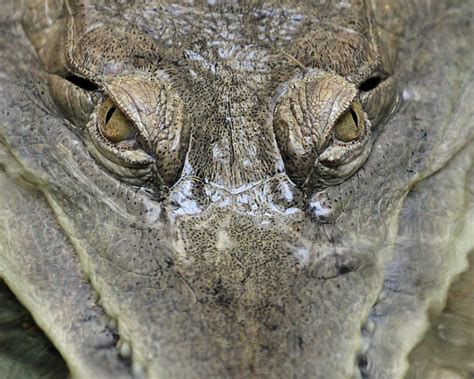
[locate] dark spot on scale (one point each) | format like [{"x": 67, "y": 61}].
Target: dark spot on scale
[
  {"x": 342, "y": 270},
  {"x": 222, "y": 297},
  {"x": 300, "y": 342}
]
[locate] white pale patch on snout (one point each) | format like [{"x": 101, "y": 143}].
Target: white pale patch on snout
[
  {"x": 247, "y": 202},
  {"x": 152, "y": 214},
  {"x": 411, "y": 94},
  {"x": 218, "y": 154},
  {"x": 286, "y": 192},
  {"x": 223, "y": 240},
  {"x": 179, "y": 250},
  {"x": 307, "y": 252},
  {"x": 343, "y": 4},
  {"x": 186, "y": 199},
  {"x": 247, "y": 163},
  {"x": 188, "y": 207},
  {"x": 301, "y": 255},
  {"x": 318, "y": 209}
]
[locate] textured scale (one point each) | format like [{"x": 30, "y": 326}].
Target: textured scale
[{"x": 231, "y": 223}]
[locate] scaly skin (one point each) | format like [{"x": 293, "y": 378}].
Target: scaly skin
[{"x": 260, "y": 190}]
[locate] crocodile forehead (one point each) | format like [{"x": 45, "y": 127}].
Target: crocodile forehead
[
  {"x": 229, "y": 62},
  {"x": 276, "y": 25}
]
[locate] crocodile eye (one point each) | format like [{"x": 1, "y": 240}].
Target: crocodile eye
[
  {"x": 113, "y": 123},
  {"x": 351, "y": 124},
  {"x": 322, "y": 130},
  {"x": 116, "y": 143}
]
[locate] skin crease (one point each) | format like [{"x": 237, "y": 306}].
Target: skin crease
[{"x": 225, "y": 230}]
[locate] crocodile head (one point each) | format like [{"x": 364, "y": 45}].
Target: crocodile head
[{"x": 252, "y": 189}]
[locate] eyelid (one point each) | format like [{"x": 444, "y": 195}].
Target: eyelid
[
  {"x": 75, "y": 103},
  {"x": 123, "y": 98}
]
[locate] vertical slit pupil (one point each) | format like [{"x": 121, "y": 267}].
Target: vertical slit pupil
[
  {"x": 109, "y": 114},
  {"x": 354, "y": 116}
]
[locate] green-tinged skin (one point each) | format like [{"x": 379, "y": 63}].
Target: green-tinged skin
[
  {"x": 241, "y": 189},
  {"x": 25, "y": 352}
]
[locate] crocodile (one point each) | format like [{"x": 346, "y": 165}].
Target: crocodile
[{"x": 238, "y": 189}]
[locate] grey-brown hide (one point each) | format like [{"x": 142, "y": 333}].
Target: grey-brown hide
[{"x": 231, "y": 233}]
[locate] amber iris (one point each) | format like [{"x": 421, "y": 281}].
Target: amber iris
[
  {"x": 351, "y": 124},
  {"x": 113, "y": 123}
]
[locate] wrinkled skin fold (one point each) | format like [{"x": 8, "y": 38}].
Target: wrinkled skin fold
[{"x": 238, "y": 189}]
